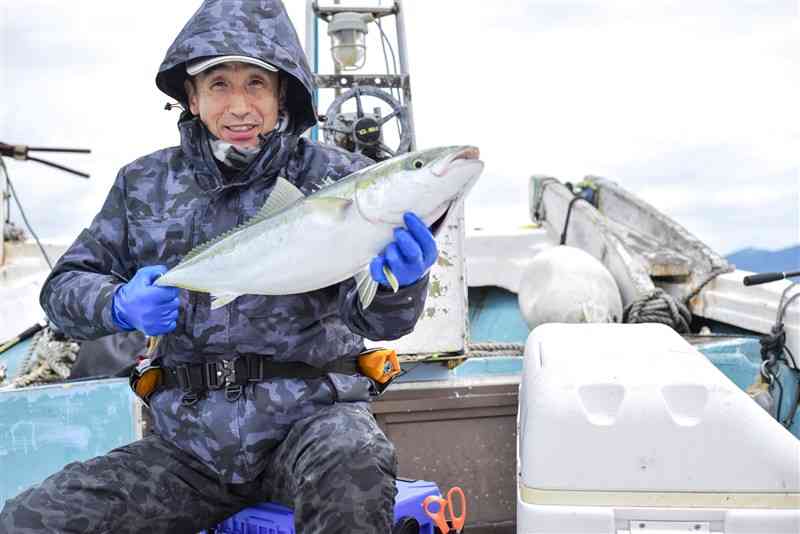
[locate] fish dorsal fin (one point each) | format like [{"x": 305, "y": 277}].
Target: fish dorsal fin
[{"x": 283, "y": 194}]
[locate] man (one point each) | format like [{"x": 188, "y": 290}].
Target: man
[{"x": 304, "y": 440}]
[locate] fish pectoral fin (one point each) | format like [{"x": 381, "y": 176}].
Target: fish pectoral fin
[
  {"x": 391, "y": 278},
  {"x": 367, "y": 287},
  {"x": 333, "y": 207},
  {"x": 219, "y": 300},
  {"x": 283, "y": 194}
]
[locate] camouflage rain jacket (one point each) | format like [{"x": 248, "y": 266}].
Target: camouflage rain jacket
[{"x": 163, "y": 204}]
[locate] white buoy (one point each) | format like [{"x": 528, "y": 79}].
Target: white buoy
[{"x": 567, "y": 285}]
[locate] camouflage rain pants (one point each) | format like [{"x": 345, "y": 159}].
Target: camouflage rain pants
[{"x": 335, "y": 468}]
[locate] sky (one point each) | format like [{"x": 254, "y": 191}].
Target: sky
[{"x": 690, "y": 105}]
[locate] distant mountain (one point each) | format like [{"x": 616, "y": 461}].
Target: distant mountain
[{"x": 760, "y": 261}]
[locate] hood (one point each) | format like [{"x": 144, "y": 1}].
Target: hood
[{"x": 255, "y": 28}]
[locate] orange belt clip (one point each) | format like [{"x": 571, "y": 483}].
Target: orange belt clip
[
  {"x": 381, "y": 365},
  {"x": 145, "y": 379}
]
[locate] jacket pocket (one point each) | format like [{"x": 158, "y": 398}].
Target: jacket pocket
[{"x": 161, "y": 240}]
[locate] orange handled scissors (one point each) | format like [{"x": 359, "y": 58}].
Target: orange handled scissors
[{"x": 442, "y": 505}]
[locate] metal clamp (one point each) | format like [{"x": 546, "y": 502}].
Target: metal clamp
[
  {"x": 229, "y": 372},
  {"x": 220, "y": 374},
  {"x": 766, "y": 371},
  {"x": 233, "y": 391}
]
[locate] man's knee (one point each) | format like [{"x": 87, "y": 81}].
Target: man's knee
[
  {"x": 344, "y": 469},
  {"x": 349, "y": 443},
  {"x": 62, "y": 503}
]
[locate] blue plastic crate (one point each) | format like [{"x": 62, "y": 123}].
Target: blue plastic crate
[
  {"x": 265, "y": 518},
  {"x": 270, "y": 518},
  {"x": 408, "y": 503}
]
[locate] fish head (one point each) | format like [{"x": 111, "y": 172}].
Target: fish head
[{"x": 426, "y": 182}]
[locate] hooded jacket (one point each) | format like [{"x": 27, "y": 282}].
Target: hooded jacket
[{"x": 164, "y": 204}]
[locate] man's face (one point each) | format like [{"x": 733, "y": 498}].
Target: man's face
[{"x": 235, "y": 101}]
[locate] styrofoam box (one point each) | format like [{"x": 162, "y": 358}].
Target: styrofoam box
[{"x": 628, "y": 428}]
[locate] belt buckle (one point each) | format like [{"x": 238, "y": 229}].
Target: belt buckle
[
  {"x": 221, "y": 374},
  {"x": 228, "y": 375}
]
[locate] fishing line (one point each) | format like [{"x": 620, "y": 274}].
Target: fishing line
[{"x": 22, "y": 212}]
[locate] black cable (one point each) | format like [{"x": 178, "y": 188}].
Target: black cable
[
  {"x": 782, "y": 311},
  {"x": 417, "y": 364},
  {"x": 24, "y": 217},
  {"x": 569, "y": 212},
  {"x": 430, "y": 359},
  {"x": 58, "y": 166},
  {"x": 780, "y": 399},
  {"x": 776, "y": 343},
  {"x": 789, "y": 421},
  {"x": 794, "y": 363},
  {"x": 384, "y": 42}
]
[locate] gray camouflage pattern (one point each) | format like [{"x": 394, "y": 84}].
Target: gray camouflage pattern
[
  {"x": 336, "y": 469},
  {"x": 165, "y": 203}
]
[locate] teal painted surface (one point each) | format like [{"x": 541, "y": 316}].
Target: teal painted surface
[
  {"x": 13, "y": 358},
  {"x": 44, "y": 428},
  {"x": 494, "y": 316},
  {"x": 494, "y": 366},
  {"x": 740, "y": 360},
  {"x": 471, "y": 368}
]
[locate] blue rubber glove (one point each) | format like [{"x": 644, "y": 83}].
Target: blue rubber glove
[
  {"x": 409, "y": 256},
  {"x": 139, "y": 305}
]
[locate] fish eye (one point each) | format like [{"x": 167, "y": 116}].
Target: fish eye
[{"x": 417, "y": 163}]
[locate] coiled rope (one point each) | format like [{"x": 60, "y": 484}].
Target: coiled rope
[
  {"x": 658, "y": 306},
  {"x": 483, "y": 350},
  {"x": 49, "y": 360}
]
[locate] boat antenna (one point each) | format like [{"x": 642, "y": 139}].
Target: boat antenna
[{"x": 20, "y": 153}]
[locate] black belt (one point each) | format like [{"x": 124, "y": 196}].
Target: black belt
[{"x": 233, "y": 375}]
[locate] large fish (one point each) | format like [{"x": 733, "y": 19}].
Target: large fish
[{"x": 297, "y": 244}]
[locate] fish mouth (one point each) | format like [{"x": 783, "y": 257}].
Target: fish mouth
[
  {"x": 461, "y": 157},
  {"x": 442, "y": 213},
  {"x": 467, "y": 156}
]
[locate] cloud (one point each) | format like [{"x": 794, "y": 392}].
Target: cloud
[{"x": 691, "y": 105}]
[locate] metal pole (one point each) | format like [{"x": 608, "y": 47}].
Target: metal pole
[
  {"x": 3, "y": 211},
  {"x": 336, "y": 69},
  {"x": 403, "y": 53},
  {"x": 311, "y": 43},
  {"x": 311, "y": 56}
]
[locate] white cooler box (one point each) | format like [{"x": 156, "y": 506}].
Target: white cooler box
[{"x": 629, "y": 429}]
